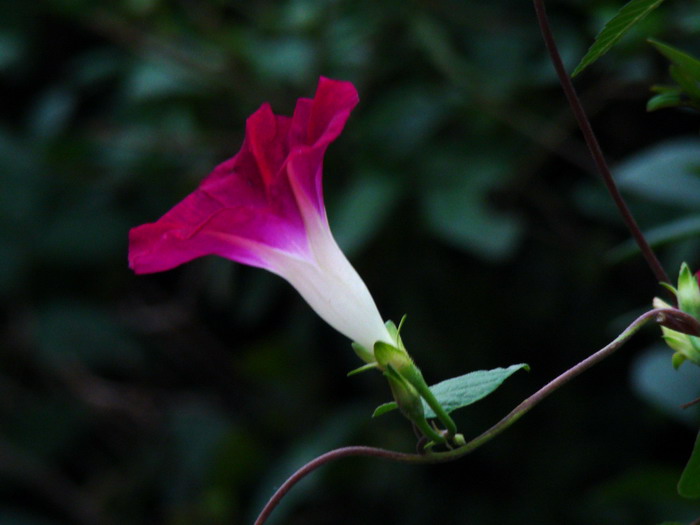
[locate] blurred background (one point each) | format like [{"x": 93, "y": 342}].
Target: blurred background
[{"x": 462, "y": 192}]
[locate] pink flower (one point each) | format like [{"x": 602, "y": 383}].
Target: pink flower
[{"x": 264, "y": 207}]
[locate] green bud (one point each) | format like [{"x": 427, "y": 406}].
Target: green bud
[
  {"x": 398, "y": 360},
  {"x": 406, "y": 396},
  {"x": 677, "y": 360},
  {"x": 685, "y": 346},
  {"x": 688, "y": 292}
]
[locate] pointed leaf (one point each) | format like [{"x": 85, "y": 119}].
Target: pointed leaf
[
  {"x": 615, "y": 29},
  {"x": 686, "y": 80},
  {"x": 683, "y": 60},
  {"x": 363, "y": 368},
  {"x": 464, "y": 390},
  {"x": 689, "y": 484},
  {"x": 461, "y": 391}
]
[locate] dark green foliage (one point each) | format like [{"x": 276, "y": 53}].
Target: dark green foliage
[
  {"x": 685, "y": 70},
  {"x": 625, "y": 19},
  {"x": 689, "y": 485},
  {"x": 461, "y": 391},
  {"x": 465, "y": 198}
]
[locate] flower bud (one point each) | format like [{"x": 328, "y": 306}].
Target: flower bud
[
  {"x": 677, "y": 330},
  {"x": 688, "y": 292}
]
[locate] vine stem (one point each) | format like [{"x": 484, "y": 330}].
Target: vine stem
[
  {"x": 593, "y": 144},
  {"x": 660, "y": 315}
]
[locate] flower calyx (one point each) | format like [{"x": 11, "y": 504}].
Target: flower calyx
[{"x": 409, "y": 389}]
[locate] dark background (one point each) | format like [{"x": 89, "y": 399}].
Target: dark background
[{"x": 460, "y": 190}]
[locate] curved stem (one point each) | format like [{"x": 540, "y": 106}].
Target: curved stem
[
  {"x": 594, "y": 146},
  {"x": 659, "y": 315},
  {"x": 357, "y": 451}
]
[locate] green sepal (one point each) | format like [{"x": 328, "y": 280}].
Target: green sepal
[
  {"x": 392, "y": 375},
  {"x": 407, "y": 398},
  {"x": 688, "y": 292},
  {"x": 429, "y": 432},
  {"x": 684, "y": 346},
  {"x": 391, "y": 327},
  {"x": 671, "y": 289},
  {"x": 409, "y": 402},
  {"x": 363, "y": 368},
  {"x": 429, "y": 445},
  {"x": 386, "y": 354},
  {"x": 395, "y": 332},
  {"x": 677, "y": 360},
  {"x": 384, "y": 408},
  {"x": 362, "y": 352},
  {"x": 414, "y": 376}
]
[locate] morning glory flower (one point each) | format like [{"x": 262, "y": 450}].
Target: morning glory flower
[{"x": 264, "y": 208}]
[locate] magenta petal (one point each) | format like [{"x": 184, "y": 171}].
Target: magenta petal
[
  {"x": 257, "y": 201},
  {"x": 164, "y": 245},
  {"x": 315, "y": 124},
  {"x": 264, "y": 207}
]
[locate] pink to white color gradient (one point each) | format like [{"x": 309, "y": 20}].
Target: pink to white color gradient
[{"x": 264, "y": 207}]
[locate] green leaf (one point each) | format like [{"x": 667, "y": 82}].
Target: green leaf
[
  {"x": 633, "y": 12},
  {"x": 685, "y": 70},
  {"x": 689, "y": 484},
  {"x": 464, "y": 390},
  {"x": 684, "y": 61},
  {"x": 685, "y": 80},
  {"x": 667, "y": 99}
]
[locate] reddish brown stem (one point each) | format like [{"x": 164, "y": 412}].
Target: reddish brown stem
[
  {"x": 657, "y": 315},
  {"x": 593, "y": 145},
  {"x": 312, "y": 465}
]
